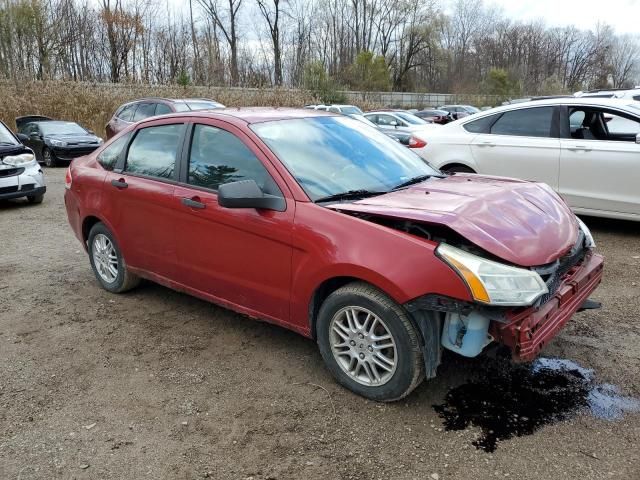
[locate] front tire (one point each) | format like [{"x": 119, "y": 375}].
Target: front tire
[
  {"x": 35, "y": 199},
  {"x": 48, "y": 158},
  {"x": 107, "y": 262},
  {"x": 369, "y": 344}
]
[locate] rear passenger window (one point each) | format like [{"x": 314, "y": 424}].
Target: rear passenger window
[
  {"x": 526, "y": 122},
  {"x": 145, "y": 110},
  {"x": 482, "y": 125},
  {"x": 109, "y": 156},
  {"x": 162, "y": 109},
  {"x": 154, "y": 150},
  {"x": 127, "y": 112},
  {"x": 218, "y": 157}
]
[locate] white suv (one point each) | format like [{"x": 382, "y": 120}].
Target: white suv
[{"x": 587, "y": 149}]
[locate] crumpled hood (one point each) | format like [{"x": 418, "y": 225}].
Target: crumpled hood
[{"x": 521, "y": 222}]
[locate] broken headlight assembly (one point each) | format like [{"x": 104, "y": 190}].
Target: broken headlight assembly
[
  {"x": 589, "y": 242},
  {"x": 18, "y": 160},
  {"x": 491, "y": 282}
]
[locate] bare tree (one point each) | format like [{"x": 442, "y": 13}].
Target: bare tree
[
  {"x": 271, "y": 12},
  {"x": 224, "y": 14}
]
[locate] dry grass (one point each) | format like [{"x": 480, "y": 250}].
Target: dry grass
[{"x": 92, "y": 105}]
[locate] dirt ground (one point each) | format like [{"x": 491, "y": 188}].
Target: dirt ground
[{"x": 156, "y": 384}]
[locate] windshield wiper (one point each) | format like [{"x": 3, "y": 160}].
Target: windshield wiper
[
  {"x": 348, "y": 195},
  {"x": 414, "y": 180}
]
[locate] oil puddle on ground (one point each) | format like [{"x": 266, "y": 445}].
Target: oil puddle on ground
[{"x": 515, "y": 400}]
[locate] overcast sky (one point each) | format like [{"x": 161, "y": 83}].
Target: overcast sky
[{"x": 623, "y": 15}]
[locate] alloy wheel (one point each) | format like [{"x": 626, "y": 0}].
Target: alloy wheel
[
  {"x": 363, "y": 346},
  {"x": 105, "y": 258}
]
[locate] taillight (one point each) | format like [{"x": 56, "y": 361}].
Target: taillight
[
  {"x": 68, "y": 179},
  {"x": 416, "y": 143}
]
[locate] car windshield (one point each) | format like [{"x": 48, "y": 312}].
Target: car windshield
[
  {"x": 61, "y": 128},
  {"x": 410, "y": 118},
  {"x": 332, "y": 155},
  {"x": 351, "y": 110},
  {"x": 471, "y": 109},
  {"x": 6, "y": 137}
]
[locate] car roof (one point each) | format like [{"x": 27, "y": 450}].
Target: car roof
[
  {"x": 578, "y": 101},
  {"x": 172, "y": 100},
  {"x": 254, "y": 114}
]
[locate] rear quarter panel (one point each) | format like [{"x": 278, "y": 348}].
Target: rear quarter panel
[{"x": 85, "y": 198}]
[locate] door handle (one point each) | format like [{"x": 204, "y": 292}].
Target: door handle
[
  {"x": 488, "y": 143},
  {"x": 193, "y": 203},
  {"x": 579, "y": 147},
  {"x": 119, "y": 184}
]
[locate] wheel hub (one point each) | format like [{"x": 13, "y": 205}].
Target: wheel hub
[
  {"x": 363, "y": 346},
  {"x": 105, "y": 258}
]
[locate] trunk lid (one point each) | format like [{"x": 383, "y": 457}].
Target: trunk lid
[{"x": 521, "y": 222}]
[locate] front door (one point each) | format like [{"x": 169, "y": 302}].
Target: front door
[
  {"x": 600, "y": 161},
  {"x": 241, "y": 256}
]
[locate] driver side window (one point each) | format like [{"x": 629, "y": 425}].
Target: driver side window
[
  {"x": 218, "y": 157},
  {"x": 599, "y": 124},
  {"x": 387, "y": 120}
]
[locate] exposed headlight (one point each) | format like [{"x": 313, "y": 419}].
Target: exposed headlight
[
  {"x": 17, "y": 160},
  {"x": 492, "y": 282},
  {"x": 589, "y": 241},
  {"x": 57, "y": 143}
]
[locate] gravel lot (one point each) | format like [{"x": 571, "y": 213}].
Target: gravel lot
[{"x": 156, "y": 384}]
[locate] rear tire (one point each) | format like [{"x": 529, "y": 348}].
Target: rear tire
[
  {"x": 35, "y": 199},
  {"x": 48, "y": 158},
  {"x": 357, "y": 324},
  {"x": 107, "y": 262}
]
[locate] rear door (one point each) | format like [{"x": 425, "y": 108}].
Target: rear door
[
  {"x": 144, "y": 110},
  {"x": 139, "y": 196},
  {"x": 600, "y": 160},
  {"x": 520, "y": 143},
  {"x": 242, "y": 256}
]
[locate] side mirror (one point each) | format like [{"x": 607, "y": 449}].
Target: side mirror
[
  {"x": 247, "y": 194},
  {"x": 638, "y": 138},
  {"x": 91, "y": 132},
  {"x": 22, "y": 137}
]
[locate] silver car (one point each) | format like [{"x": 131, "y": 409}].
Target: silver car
[{"x": 20, "y": 173}]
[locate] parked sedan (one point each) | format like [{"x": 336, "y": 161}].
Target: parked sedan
[
  {"x": 400, "y": 121},
  {"x": 587, "y": 149},
  {"x": 143, "y": 108},
  {"x": 405, "y": 138},
  {"x": 319, "y": 224},
  {"x": 20, "y": 174},
  {"x": 441, "y": 117},
  {"x": 459, "y": 111},
  {"x": 55, "y": 141}
]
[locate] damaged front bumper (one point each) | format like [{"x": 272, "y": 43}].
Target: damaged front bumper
[{"x": 527, "y": 331}]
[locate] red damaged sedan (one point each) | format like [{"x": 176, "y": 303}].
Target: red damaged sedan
[{"x": 320, "y": 224}]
